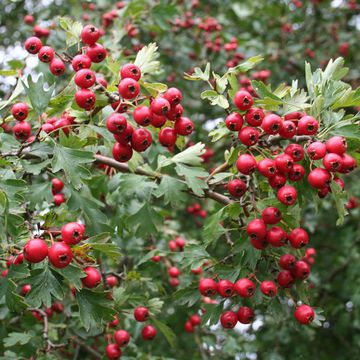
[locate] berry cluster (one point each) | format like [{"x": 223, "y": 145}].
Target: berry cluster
[
  {"x": 56, "y": 188},
  {"x": 22, "y": 129},
  {"x": 197, "y": 210},
  {"x": 192, "y": 322}
]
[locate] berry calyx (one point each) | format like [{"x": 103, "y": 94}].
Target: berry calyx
[
  {"x": 60, "y": 255},
  {"x": 207, "y": 287},
  {"x": 72, "y": 233},
  {"x": 228, "y": 319}
]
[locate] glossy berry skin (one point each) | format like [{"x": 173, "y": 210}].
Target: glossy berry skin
[
  {"x": 319, "y": 178},
  {"x": 141, "y": 139},
  {"x": 246, "y": 164},
  {"x": 92, "y": 278},
  {"x": 245, "y": 288},
  {"x": 348, "y": 164},
  {"x": 296, "y": 151},
  {"x": 195, "y": 320},
  {"x": 158, "y": 121},
  {"x": 122, "y": 337},
  {"x": 48, "y": 128},
  {"x": 184, "y": 126},
  {"x": 20, "y": 111},
  {"x": 207, "y": 287},
  {"x": 59, "y": 199},
  {"x": 249, "y": 135},
  {"x": 259, "y": 244},
  {"x": 175, "y": 112},
  {"x": 174, "y": 282},
  {"x": 85, "y": 99},
  {"x": 130, "y": 71},
  {"x": 296, "y": 173},
  {"x": 188, "y": 327},
  {"x": 180, "y": 243},
  {"x": 35, "y": 250},
  {"x": 254, "y": 116},
  {"x": 307, "y": 125},
  {"x": 277, "y": 181},
  {"x": 337, "y": 145},
  {"x": 173, "y": 96},
  {"x": 225, "y": 288},
  {"x": 46, "y": 54},
  {"x": 285, "y": 279},
  {"x": 316, "y": 150},
  {"x": 276, "y": 236},
  {"x": 33, "y": 45},
  {"x": 125, "y": 136},
  {"x": 288, "y": 130},
  {"x": 256, "y": 229},
  {"x": 25, "y": 290},
  {"x": 113, "y": 352},
  {"x": 174, "y": 272},
  {"x": 228, "y": 319},
  {"x": 90, "y": 34},
  {"x": 287, "y": 195},
  {"x": 141, "y": 314},
  {"x": 129, "y": 88},
  {"x": 243, "y": 100},
  {"x": 57, "y": 67},
  {"x": 304, "y": 314},
  {"x": 116, "y": 123},
  {"x": 284, "y": 163},
  {"x": 72, "y": 233},
  {"x": 96, "y": 53},
  {"x": 112, "y": 281},
  {"x": 22, "y": 130},
  {"x": 122, "y": 152},
  {"x": 271, "y": 215},
  {"x": 298, "y": 238},
  {"x": 81, "y": 62},
  {"x": 172, "y": 245},
  {"x": 267, "y": 167},
  {"x": 287, "y": 261},
  {"x": 333, "y": 162},
  {"x": 167, "y": 137},
  {"x": 148, "y": 332},
  {"x": 142, "y": 115},
  {"x": 160, "y": 106},
  {"x": 234, "y": 121},
  {"x": 60, "y": 255},
  {"x": 272, "y": 124},
  {"x": 85, "y": 78},
  {"x": 301, "y": 270},
  {"x": 245, "y": 315},
  {"x": 268, "y": 288},
  {"x": 236, "y": 188}
]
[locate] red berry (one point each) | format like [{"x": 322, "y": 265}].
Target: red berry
[
  {"x": 285, "y": 279},
  {"x": 246, "y": 164},
  {"x": 207, "y": 287},
  {"x": 337, "y": 145},
  {"x": 156, "y": 258},
  {"x": 188, "y": 327},
  {"x": 234, "y": 121},
  {"x": 245, "y": 315},
  {"x": 287, "y": 261},
  {"x": 276, "y": 236},
  {"x": 298, "y": 238},
  {"x": 225, "y": 288},
  {"x": 57, "y": 67},
  {"x": 245, "y": 288},
  {"x": 348, "y": 164},
  {"x": 25, "y": 290},
  {"x": 287, "y": 195},
  {"x": 288, "y": 130},
  {"x": 122, "y": 152},
  {"x": 256, "y": 229},
  {"x": 148, "y": 332},
  {"x": 96, "y": 53},
  {"x": 167, "y": 137},
  {"x": 46, "y": 54},
  {"x": 307, "y": 125},
  {"x": 33, "y": 45},
  {"x": 129, "y": 88},
  {"x": 174, "y": 272},
  {"x": 296, "y": 151},
  {"x": 141, "y": 314},
  {"x": 125, "y": 136},
  {"x": 72, "y": 233},
  {"x": 267, "y": 167},
  {"x": 141, "y": 139},
  {"x": 271, "y": 215},
  {"x": 116, "y": 123},
  {"x": 249, "y": 135},
  {"x": 268, "y": 288},
  {"x": 272, "y": 124},
  {"x": 113, "y": 351},
  {"x": 259, "y": 244},
  {"x": 160, "y": 106},
  {"x": 184, "y": 126},
  {"x": 112, "y": 281},
  {"x": 180, "y": 243},
  {"x": 115, "y": 322},
  {"x": 102, "y": 82},
  {"x": 172, "y": 245},
  {"x": 174, "y": 282},
  {"x": 59, "y": 199},
  {"x": 175, "y": 112},
  {"x": 158, "y": 120},
  {"x": 35, "y": 250},
  {"x": 332, "y": 162},
  {"x": 92, "y": 278},
  {"x": 284, "y": 163},
  {"x": 254, "y": 116},
  {"x": 20, "y": 111},
  {"x": 19, "y": 259},
  {"x": 122, "y": 337},
  {"x": 22, "y": 130},
  {"x": 173, "y": 96},
  {"x": 195, "y": 320},
  {"x": 90, "y": 34},
  {"x": 296, "y": 173},
  {"x": 228, "y": 319},
  {"x": 85, "y": 78},
  {"x": 304, "y": 314},
  {"x": 301, "y": 270},
  {"x": 340, "y": 182},
  {"x": 142, "y": 115},
  {"x": 48, "y": 128},
  {"x": 319, "y": 178},
  {"x": 81, "y": 62},
  {"x": 60, "y": 255},
  {"x": 236, "y": 188},
  {"x": 130, "y": 71},
  {"x": 58, "y": 307},
  {"x": 316, "y": 150},
  {"x": 85, "y": 99},
  {"x": 243, "y": 100}
]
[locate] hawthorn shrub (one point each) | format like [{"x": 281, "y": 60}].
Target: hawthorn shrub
[{"x": 129, "y": 229}]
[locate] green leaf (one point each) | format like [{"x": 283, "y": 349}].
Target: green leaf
[
  {"x": 17, "y": 338},
  {"x": 110, "y": 250},
  {"x": 144, "y": 221},
  {"x": 72, "y": 29},
  {"x": 187, "y": 296},
  {"x": 166, "y": 331},
  {"x": 247, "y": 65},
  {"x": 146, "y": 59},
  {"x": 16, "y": 92},
  {"x": 198, "y": 74},
  {"x": 191, "y": 155},
  {"x": 162, "y": 14},
  {"x": 341, "y": 199},
  {"x": 212, "y": 227},
  {"x": 194, "y": 177},
  {"x": 73, "y": 275},
  {"x": 219, "y": 132},
  {"x": 172, "y": 190}
]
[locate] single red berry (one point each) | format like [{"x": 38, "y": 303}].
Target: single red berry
[
  {"x": 92, "y": 278},
  {"x": 180, "y": 243},
  {"x": 287, "y": 195},
  {"x": 20, "y": 111},
  {"x": 60, "y": 255},
  {"x": 156, "y": 258},
  {"x": 22, "y": 130},
  {"x": 268, "y": 288},
  {"x": 225, "y": 288},
  {"x": 148, "y": 332},
  {"x": 296, "y": 151},
  {"x": 167, "y": 137},
  {"x": 298, "y": 238},
  {"x": 228, "y": 319},
  {"x": 249, "y": 135},
  {"x": 130, "y": 71},
  {"x": 234, "y": 121},
  {"x": 174, "y": 282},
  {"x": 288, "y": 130},
  {"x": 35, "y": 250},
  {"x": 25, "y": 290},
  {"x": 59, "y": 199},
  {"x": 340, "y": 182},
  {"x": 301, "y": 270},
  {"x": 46, "y": 54},
  {"x": 256, "y": 229},
  {"x": 122, "y": 337},
  {"x": 243, "y": 100},
  {"x": 57, "y": 67},
  {"x": 113, "y": 352},
  {"x": 245, "y": 315},
  {"x": 285, "y": 279},
  {"x": 259, "y": 244},
  {"x": 337, "y": 145},
  {"x": 276, "y": 236},
  {"x": 245, "y": 287},
  {"x": 129, "y": 88},
  {"x": 115, "y": 322},
  {"x": 173, "y": 96},
  {"x": 304, "y": 314},
  {"x": 236, "y": 188},
  {"x": 287, "y": 261},
  {"x": 116, "y": 123},
  {"x": 90, "y": 34},
  {"x": 85, "y": 78},
  {"x": 175, "y": 112},
  {"x": 125, "y": 136},
  {"x": 160, "y": 106},
  {"x": 184, "y": 126},
  {"x": 85, "y": 99},
  {"x": 195, "y": 320},
  {"x": 307, "y": 125},
  {"x": 254, "y": 116},
  {"x": 29, "y": 19},
  {"x": 267, "y": 167},
  {"x": 271, "y": 215},
  {"x": 272, "y": 124},
  {"x": 33, "y": 45},
  {"x": 333, "y": 162},
  {"x": 81, "y": 62},
  {"x": 122, "y": 152},
  {"x": 96, "y": 53},
  {"x": 246, "y": 164},
  {"x": 172, "y": 245},
  {"x": 158, "y": 120},
  {"x": 348, "y": 164},
  {"x": 296, "y": 115},
  {"x": 174, "y": 272},
  {"x": 58, "y": 307},
  {"x": 142, "y": 115},
  {"x": 296, "y": 173},
  {"x": 72, "y": 233},
  {"x": 284, "y": 163},
  {"x": 207, "y": 287},
  {"x": 102, "y": 82},
  {"x": 141, "y": 314},
  {"x": 120, "y": 107},
  {"x": 112, "y": 281},
  {"x": 188, "y": 327},
  {"x": 319, "y": 178},
  {"x": 48, "y": 128},
  {"x": 316, "y": 150},
  {"x": 19, "y": 259},
  {"x": 141, "y": 139}
]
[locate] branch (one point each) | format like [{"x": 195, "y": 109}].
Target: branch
[{"x": 88, "y": 348}]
